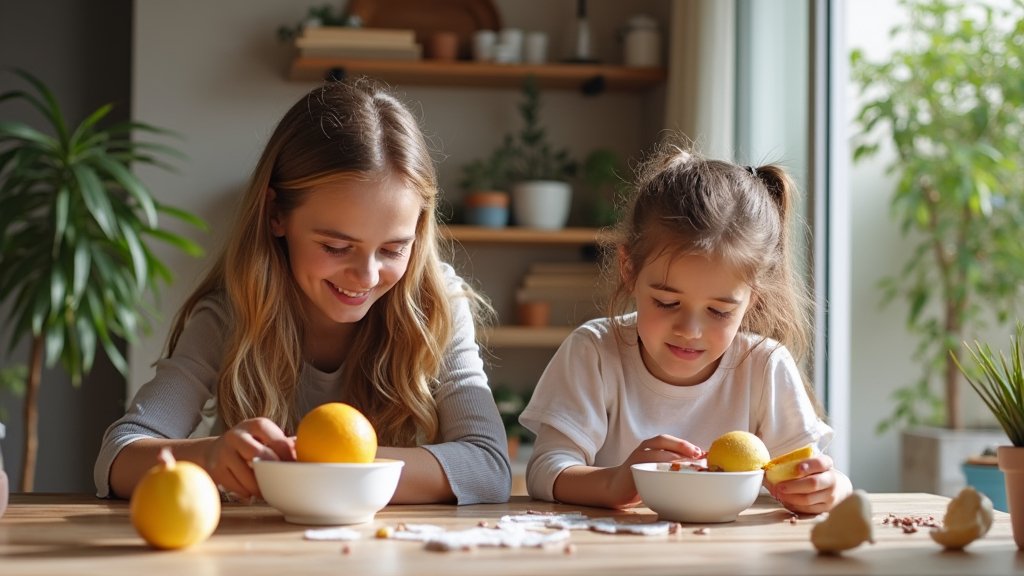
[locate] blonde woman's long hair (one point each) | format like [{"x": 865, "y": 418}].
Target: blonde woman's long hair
[
  {"x": 686, "y": 204},
  {"x": 342, "y": 130}
]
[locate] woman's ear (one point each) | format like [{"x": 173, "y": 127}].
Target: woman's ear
[{"x": 273, "y": 215}]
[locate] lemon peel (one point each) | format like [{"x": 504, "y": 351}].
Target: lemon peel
[
  {"x": 847, "y": 526},
  {"x": 968, "y": 517},
  {"x": 785, "y": 467}
]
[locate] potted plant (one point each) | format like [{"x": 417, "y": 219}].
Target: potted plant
[
  {"x": 604, "y": 177},
  {"x": 75, "y": 227},
  {"x": 1000, "y": 384},
  {"x": 485, "y": 182},
  {"x": 949, "y": 104},
  {"x": 539, "y": 172},
  {"x": 511, "y": 404}
]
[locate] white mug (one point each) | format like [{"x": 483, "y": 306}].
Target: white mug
[
  {"x": 483, "y": 45},
  {"x": 536, "y": 51},
  {"x": 513, "y": 39}
]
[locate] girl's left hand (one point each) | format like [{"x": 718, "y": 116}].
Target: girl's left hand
[{"x": 818, "y": 488}]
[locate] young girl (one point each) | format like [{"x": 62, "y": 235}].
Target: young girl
[
  {"x": 331, "y": 288},
  {"x": 704, "y": 257}
]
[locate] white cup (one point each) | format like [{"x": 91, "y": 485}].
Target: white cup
[
  {"x": 536, "y": 48},
  {"x": 513, "y": 38},
  {"x": 483, "y": 45}
]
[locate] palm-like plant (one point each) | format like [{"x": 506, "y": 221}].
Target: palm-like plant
[
  {"x": 74, "y": 226},
  {"x": 1000, "y": 384}
]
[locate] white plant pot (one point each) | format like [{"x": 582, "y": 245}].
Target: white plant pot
[{"x": 541, "y": 203}]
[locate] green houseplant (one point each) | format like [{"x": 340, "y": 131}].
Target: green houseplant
[
  {"x": 604, "y": 177},
  {"x": 539, "y": 172},
  {"x": 950, "y": 104},
  {"x": 1000, "y": 384},
  {"x": 486, "y": 183},
  {"x": 75, "y": 226}
]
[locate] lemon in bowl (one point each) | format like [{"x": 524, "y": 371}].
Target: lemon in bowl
[
  {"x": 718, "y": 493},
  {"x": 689, "y": 495},
  {"x": 324, "y": 493},
  {"x": 337, "y": 478}
]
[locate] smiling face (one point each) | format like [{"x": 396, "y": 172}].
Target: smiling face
[
  {"x": 348, "y": 243},
  {"x": 689, "y": 309}
]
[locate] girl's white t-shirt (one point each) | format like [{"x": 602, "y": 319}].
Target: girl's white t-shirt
[{"x": 596, "y": 402}]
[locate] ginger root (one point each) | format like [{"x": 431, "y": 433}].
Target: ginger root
[
  {"x": 847, "y": 526},
  {"x": 968, "y": 517}
]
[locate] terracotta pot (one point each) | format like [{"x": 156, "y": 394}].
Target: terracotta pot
[
  {"x": 1011, "y": 462},
  {"x": 534, "y": 313}
]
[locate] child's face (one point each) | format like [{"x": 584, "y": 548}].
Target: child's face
[
  {"x": 349, "y": 243},
  {"x": 688, "y": 311}
]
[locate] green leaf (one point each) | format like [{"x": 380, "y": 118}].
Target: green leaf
[
  {"x": 96, "y": 200},
  {"x": 130, "y": 183}
]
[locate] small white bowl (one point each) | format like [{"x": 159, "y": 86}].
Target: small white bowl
[
  {"x": 318, "y": 493},
  {"x": 687, "y": 495}
]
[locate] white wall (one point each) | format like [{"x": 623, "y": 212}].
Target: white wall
[{"x": 214, "y": 72}]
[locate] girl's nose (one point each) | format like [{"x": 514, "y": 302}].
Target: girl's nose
[
  {"x": 686, "y": 325},
  {"x": 366, "y": 271}
]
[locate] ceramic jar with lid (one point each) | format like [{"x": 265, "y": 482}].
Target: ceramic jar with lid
[{"x": 642, "y": 42}]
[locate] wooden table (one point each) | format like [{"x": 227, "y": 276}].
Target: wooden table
[{"x": 75, "y": 534}]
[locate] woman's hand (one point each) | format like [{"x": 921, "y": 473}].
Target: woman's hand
[
  {"x": 662, "y": 448},
  {"x": 818, "y": 488},
  {"x": 229, "y": 458}
]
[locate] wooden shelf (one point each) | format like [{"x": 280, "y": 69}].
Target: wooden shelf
[
  {"x": 590, "y": 78},
  {"x": 514, "y": 235},
  {"x": 526, "y": 336}
]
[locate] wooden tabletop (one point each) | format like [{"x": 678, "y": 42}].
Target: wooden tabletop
[{"x": 77, "y": 534}]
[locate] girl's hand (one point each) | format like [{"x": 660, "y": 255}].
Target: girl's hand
[
  {"x": 229, "y": 458},
  {"x": 662, "y": 448},
  {"x": 818, "y": 488}
]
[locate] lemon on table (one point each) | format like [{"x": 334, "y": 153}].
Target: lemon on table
[
  {"x": 737, "y": 451},
  {"x": 335, "y": 432},
  {"x": 175, "y": 505},
  {"x": 785, "y": 467}
]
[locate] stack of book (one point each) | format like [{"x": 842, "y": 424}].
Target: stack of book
[
  {"x": 575, "y": 290},
  {"x": 358, "y": 43}
]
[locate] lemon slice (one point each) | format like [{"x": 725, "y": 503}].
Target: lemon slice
[{"x": 785, "y": 467}]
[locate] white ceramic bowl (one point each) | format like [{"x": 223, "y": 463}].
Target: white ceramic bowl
[
  {"x": 317, "y": 493},
  {"x": 687, "y": 495}
]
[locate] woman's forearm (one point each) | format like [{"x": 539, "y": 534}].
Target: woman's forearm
[
  {"x": 423, "y": 480},
  {"x": 137, "y": 458}
]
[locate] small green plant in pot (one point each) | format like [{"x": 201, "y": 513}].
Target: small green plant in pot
[
  {"x": 999, "y": 381},
  {"x": 539, "y": 172},
  {"x": 604, "y": 176},
  {"x": 485, "y": 182},
  {"x": 511, "y": 404},
  {"x": 75, "y": 228}
]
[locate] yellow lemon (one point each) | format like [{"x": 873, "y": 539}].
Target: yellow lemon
[
  {"x": 785, "y": 467},
  {"x": 176, "y": 504},
  {"x": 737, "y": 451},
  {"x": 335, "y": 432}
]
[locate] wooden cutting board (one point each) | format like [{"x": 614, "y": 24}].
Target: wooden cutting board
[{"x": 463, "y": 17}]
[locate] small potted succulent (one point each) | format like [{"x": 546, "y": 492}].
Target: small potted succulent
[{"x": 999, "y": 381}]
